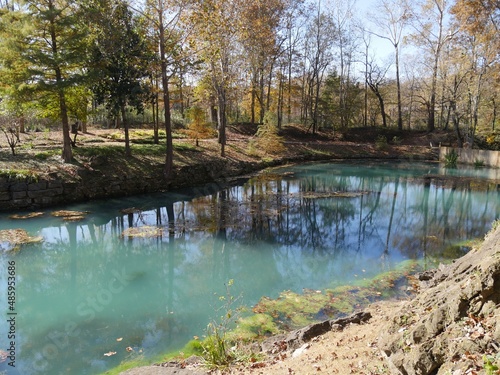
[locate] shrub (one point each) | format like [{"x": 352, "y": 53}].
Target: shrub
[
  {"x": 381, "y": 142},
  {"x": 396, "y": 140},
  {"x": 450, "y": 159},
  {"x": 267, "y": 138},
  {"x": 478, "y": 163}
]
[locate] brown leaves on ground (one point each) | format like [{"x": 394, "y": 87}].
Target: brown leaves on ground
[{"x": 352, "y": 350}]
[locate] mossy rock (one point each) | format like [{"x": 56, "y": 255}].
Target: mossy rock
[{"x": 13, "y": 239}]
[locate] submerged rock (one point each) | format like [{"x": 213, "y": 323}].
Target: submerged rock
[
  {"x": 67, "y": 215},
  {"x": 31, "y": 215},
  {"x": 12, "y": 239},
  {"x": 142, "y": 232},
  {"x": 453, "y": 324}
]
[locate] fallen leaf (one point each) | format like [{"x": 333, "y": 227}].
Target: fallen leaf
[
  {"x": 129, "y": 349},
  {"x": 119, "y": 339},
  {"x": 109, "y": 354}
]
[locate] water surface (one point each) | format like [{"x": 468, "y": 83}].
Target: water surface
[{"x": 303, "y": 227}]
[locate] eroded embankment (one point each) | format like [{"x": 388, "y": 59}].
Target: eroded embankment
[{"x": 453, "y": 325}]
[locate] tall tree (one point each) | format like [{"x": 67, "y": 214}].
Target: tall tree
[
  {"x": 318, "y": 52},
  {"x": 54, "y": 44},
  {"x": 169, "y": 32},
  {"x": 433, "y": 35},
  {"x": 261, "y": 42},
  {"x": 216, "y": 32},
  {"x": 392, "y": 19},
  {"x": 346, "y": 42},
  {"x": 120, "y": 57}
]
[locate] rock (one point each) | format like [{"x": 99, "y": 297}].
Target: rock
[
  {"x": 301, "y": 350},
  {"x": 298, "y": 338},
  {"x": 455, "y": 314}
]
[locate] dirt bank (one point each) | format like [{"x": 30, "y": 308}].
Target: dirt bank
[{"x": 36, "y": 177}]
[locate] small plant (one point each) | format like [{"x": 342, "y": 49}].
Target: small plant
[
  {"x": 478, "y": 163},
  {"x": 198, "y": 126},
  {"x": 489, "y": 366},
  {"x": 450, "y": 159},
  {"x": 12, "y": 136},
  {"x": 217, "y": 352},
  {"x": 396, "y": 140},
  {"x": 44, "y": 155},
  {"x": 495, "y": 224},
  {"x": 381, "y": 142},
  {"x": 267, "y": 136},
  {"x": 19, "y": 174}
]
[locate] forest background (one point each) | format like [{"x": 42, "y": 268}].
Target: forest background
[{"x": 203, "y": 64}]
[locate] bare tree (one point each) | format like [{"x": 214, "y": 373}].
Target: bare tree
[
  {"x": 376, "y": 79},
  {"x": 392, "y": 19},
  {"x": 431, "y": 33}
]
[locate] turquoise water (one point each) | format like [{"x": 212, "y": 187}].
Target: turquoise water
[{"x": 86, "y": 285}]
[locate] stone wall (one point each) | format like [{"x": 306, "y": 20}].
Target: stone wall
[
  {"x": 471, "y": 156},
  {"x": 87, "y": 184}
]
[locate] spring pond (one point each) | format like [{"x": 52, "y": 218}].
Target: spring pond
[{"x": 91, "y": 288}]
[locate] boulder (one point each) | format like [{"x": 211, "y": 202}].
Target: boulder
[{"x": 453, "y": 322}]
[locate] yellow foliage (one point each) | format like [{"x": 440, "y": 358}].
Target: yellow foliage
[
  {"x": 267, "y": 138},
  {"x": 198, "y": 126}
]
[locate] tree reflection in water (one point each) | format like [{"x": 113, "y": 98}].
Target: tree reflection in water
[{"x": 310, "y": 226}]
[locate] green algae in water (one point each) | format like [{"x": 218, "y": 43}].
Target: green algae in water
[{"x": 293, "y": 310}]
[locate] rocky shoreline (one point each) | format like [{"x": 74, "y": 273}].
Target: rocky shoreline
[{"x": 452, "y": 326}]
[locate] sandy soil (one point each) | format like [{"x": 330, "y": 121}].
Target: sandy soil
[{"x": 353, "y": 350}]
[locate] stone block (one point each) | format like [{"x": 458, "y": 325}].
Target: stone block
[
  {"x": 45, "y": 193},
  {"x": 19, "y": 194},
  {"x": 21, "y": 203},
  {"x": 20, "y": 186},
  {"x": 54, "y": 184},
  {"x": 4, "y": 196},
  {"x": 37, "y": 186},
  {"x": 47, "y": 201}
]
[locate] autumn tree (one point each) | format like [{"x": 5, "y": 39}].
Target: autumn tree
[
  {"x": 479, "y": 22},
  {"x": 258, "y": 32},
  {"x": 217, "y": 42},
  {"x": 198, "y": 126},
  {"x": 432, "y": 35}
]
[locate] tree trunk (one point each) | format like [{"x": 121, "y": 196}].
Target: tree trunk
[
  {"x": 252, "y": 106},
  {"x": 169, "y": 155},
  {"x": 494, "y": 115},
  {"x": 67, "y": 153},
  {"x": 456, "y": 122},
  {"x": 398, "y": 84},
  {"x": 382, "y": 109},
  {"x": 22, "y": 122},
  {"x": 221, "y": 114},
  {"x": 128, "y": 152}
]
